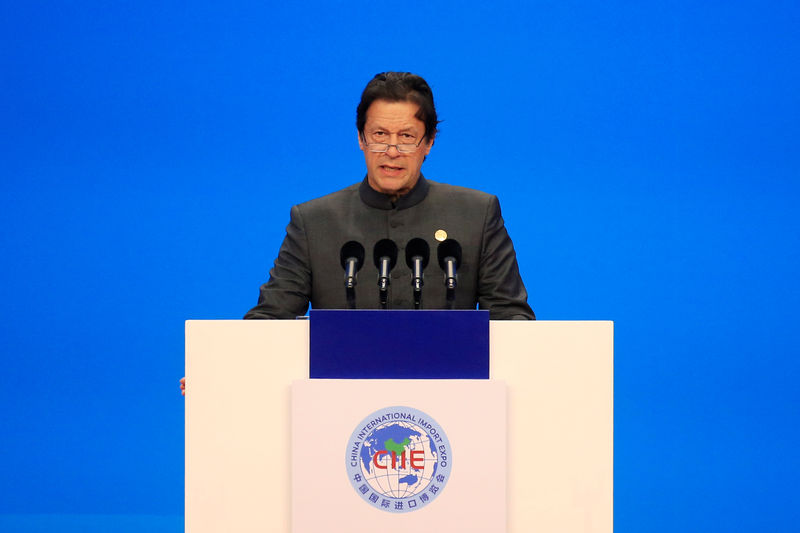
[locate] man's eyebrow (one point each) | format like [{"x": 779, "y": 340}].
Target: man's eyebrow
[{"x": 405, "y": 129}]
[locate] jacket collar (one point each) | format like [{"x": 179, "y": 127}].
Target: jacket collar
[{"x": 378, "y": 200}]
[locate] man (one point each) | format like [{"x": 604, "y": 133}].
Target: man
[{"x": 396, "y": 122}]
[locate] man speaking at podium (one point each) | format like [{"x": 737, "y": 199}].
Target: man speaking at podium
[{"x": 399, "y": 240}]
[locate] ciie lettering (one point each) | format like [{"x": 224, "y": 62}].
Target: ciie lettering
[{"x": 417, "y": 460}]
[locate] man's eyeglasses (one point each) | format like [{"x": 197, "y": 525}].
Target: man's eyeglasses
[{"x": 402, "y": 148}]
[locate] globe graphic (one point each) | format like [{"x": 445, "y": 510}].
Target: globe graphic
[{"x": 398, "y": 478}]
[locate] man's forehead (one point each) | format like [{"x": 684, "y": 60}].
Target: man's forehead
[{"x": 395, "y": 114}]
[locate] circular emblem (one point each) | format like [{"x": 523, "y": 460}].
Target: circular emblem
[
  {"x": 398, "y": 459},
  {"x": 440, "y": 235}
]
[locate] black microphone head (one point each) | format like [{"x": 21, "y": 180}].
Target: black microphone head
[
  {"x": 449, "y": 248},
  {"x": 417, "y": 247},
  {"x": 385, "y": 248},
  {"x": 352, "y": 249}
]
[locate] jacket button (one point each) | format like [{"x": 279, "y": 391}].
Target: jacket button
[{"x": 395, "y": 223}]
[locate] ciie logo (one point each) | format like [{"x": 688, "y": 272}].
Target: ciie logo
[{"x": 399, "y": 459}]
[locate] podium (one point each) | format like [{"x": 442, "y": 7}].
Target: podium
[{"x": 245, "y": 376}]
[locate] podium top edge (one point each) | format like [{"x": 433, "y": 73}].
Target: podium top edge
[{"x": 305, "y": 319}]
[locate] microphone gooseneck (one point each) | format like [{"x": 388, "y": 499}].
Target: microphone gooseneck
[
  {"x": 351, "y": 257},
  {"x": 418, "y": 253},
  {"x": 449, "y": 255},
  {"x": 385, "y": 257}
]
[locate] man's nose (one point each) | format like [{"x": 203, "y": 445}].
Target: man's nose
[{"x": 392, "y": 151}]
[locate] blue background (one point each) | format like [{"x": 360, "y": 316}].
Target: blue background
[{"x": 645, "y": 155}]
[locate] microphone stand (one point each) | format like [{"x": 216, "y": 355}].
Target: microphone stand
[
  {"x": 383, "y": 282},
  {"x": 417, "y": 281}
]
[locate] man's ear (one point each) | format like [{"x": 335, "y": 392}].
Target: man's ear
[
  {"x": 360, "y": 141},
  {"x": 429, "y": 146}
]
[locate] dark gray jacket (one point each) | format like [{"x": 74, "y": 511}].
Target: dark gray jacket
[{"x": 308, "y": 268}]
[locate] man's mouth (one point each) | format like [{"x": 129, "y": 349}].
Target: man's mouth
[{"x": 390, "y": 168}]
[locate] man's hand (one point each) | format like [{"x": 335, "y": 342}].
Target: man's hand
[{"x": 183, "y": 386}]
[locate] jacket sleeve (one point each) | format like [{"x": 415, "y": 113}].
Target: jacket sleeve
[
  {"x": 500, "y": 287},
  {"x": 288, "y": 291}
]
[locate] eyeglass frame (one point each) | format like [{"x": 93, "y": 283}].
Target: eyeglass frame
[{"x": 387, "y": 145}]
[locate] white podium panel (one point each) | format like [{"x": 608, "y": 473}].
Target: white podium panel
[
  {"x": 467, "y": 422},
  {"x": 559, "y": 377}
]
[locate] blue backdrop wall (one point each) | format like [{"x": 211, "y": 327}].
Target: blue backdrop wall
[{"x": 645, "y": 155}]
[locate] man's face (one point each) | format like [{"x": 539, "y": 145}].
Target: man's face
[{"x": 393, "y": 172}]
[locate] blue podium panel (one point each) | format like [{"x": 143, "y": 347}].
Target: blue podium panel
[{"x": 408, "y": 344}]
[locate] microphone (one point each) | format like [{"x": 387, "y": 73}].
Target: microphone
[
  {"x": 418, "y": 253},
  {"x": 449, "y": 253},
  {"x": 385, "y": 257},
  {"x": 352, "y": 259}
]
